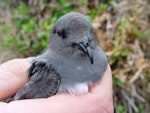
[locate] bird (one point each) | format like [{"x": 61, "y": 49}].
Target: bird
[{"x": 72, "y": 62}]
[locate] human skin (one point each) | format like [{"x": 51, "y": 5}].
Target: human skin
[{"x": 13, "y": 76}]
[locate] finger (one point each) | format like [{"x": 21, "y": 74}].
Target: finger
[
  {"x": 12, "y": 77},
  {"x": 103, "y": 91},
  {"x": 105, "y": 85},
  {"x": 63, "y": 103}
]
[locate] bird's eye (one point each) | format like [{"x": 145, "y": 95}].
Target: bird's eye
[
  {"x": 73, "y": 45},
  {"x": 61, "y": 33}
]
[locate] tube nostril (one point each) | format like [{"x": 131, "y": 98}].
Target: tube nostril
[
  {"x": 84, "y": 43},
  {"x": 87, "y": 44}
]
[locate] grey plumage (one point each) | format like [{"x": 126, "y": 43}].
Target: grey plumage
[{"x": 72, "y": 61}]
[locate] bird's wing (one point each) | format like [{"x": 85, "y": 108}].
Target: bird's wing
[{"x": 43, "y": 82}]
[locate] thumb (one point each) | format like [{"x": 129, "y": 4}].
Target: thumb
[{"x": 12, "y": 76}]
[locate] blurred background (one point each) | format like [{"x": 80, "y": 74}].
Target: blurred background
[{"x": 122, "y": 28}]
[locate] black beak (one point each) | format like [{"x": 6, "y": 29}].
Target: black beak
[{"x": 84, "y": 47}]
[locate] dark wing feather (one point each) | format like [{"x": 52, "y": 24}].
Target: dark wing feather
[{"x": 43, "y": 82}]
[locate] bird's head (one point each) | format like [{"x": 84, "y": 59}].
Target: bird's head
[{"x": 73, "y": 32}]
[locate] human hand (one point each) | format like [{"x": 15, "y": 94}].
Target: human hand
[{"x": 13, "y": 77}]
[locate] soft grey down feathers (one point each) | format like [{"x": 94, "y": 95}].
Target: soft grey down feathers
[{"x": 72, "y": 62}]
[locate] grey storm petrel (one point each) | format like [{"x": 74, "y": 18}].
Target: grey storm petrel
[{"x": 72, "y": 62}]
